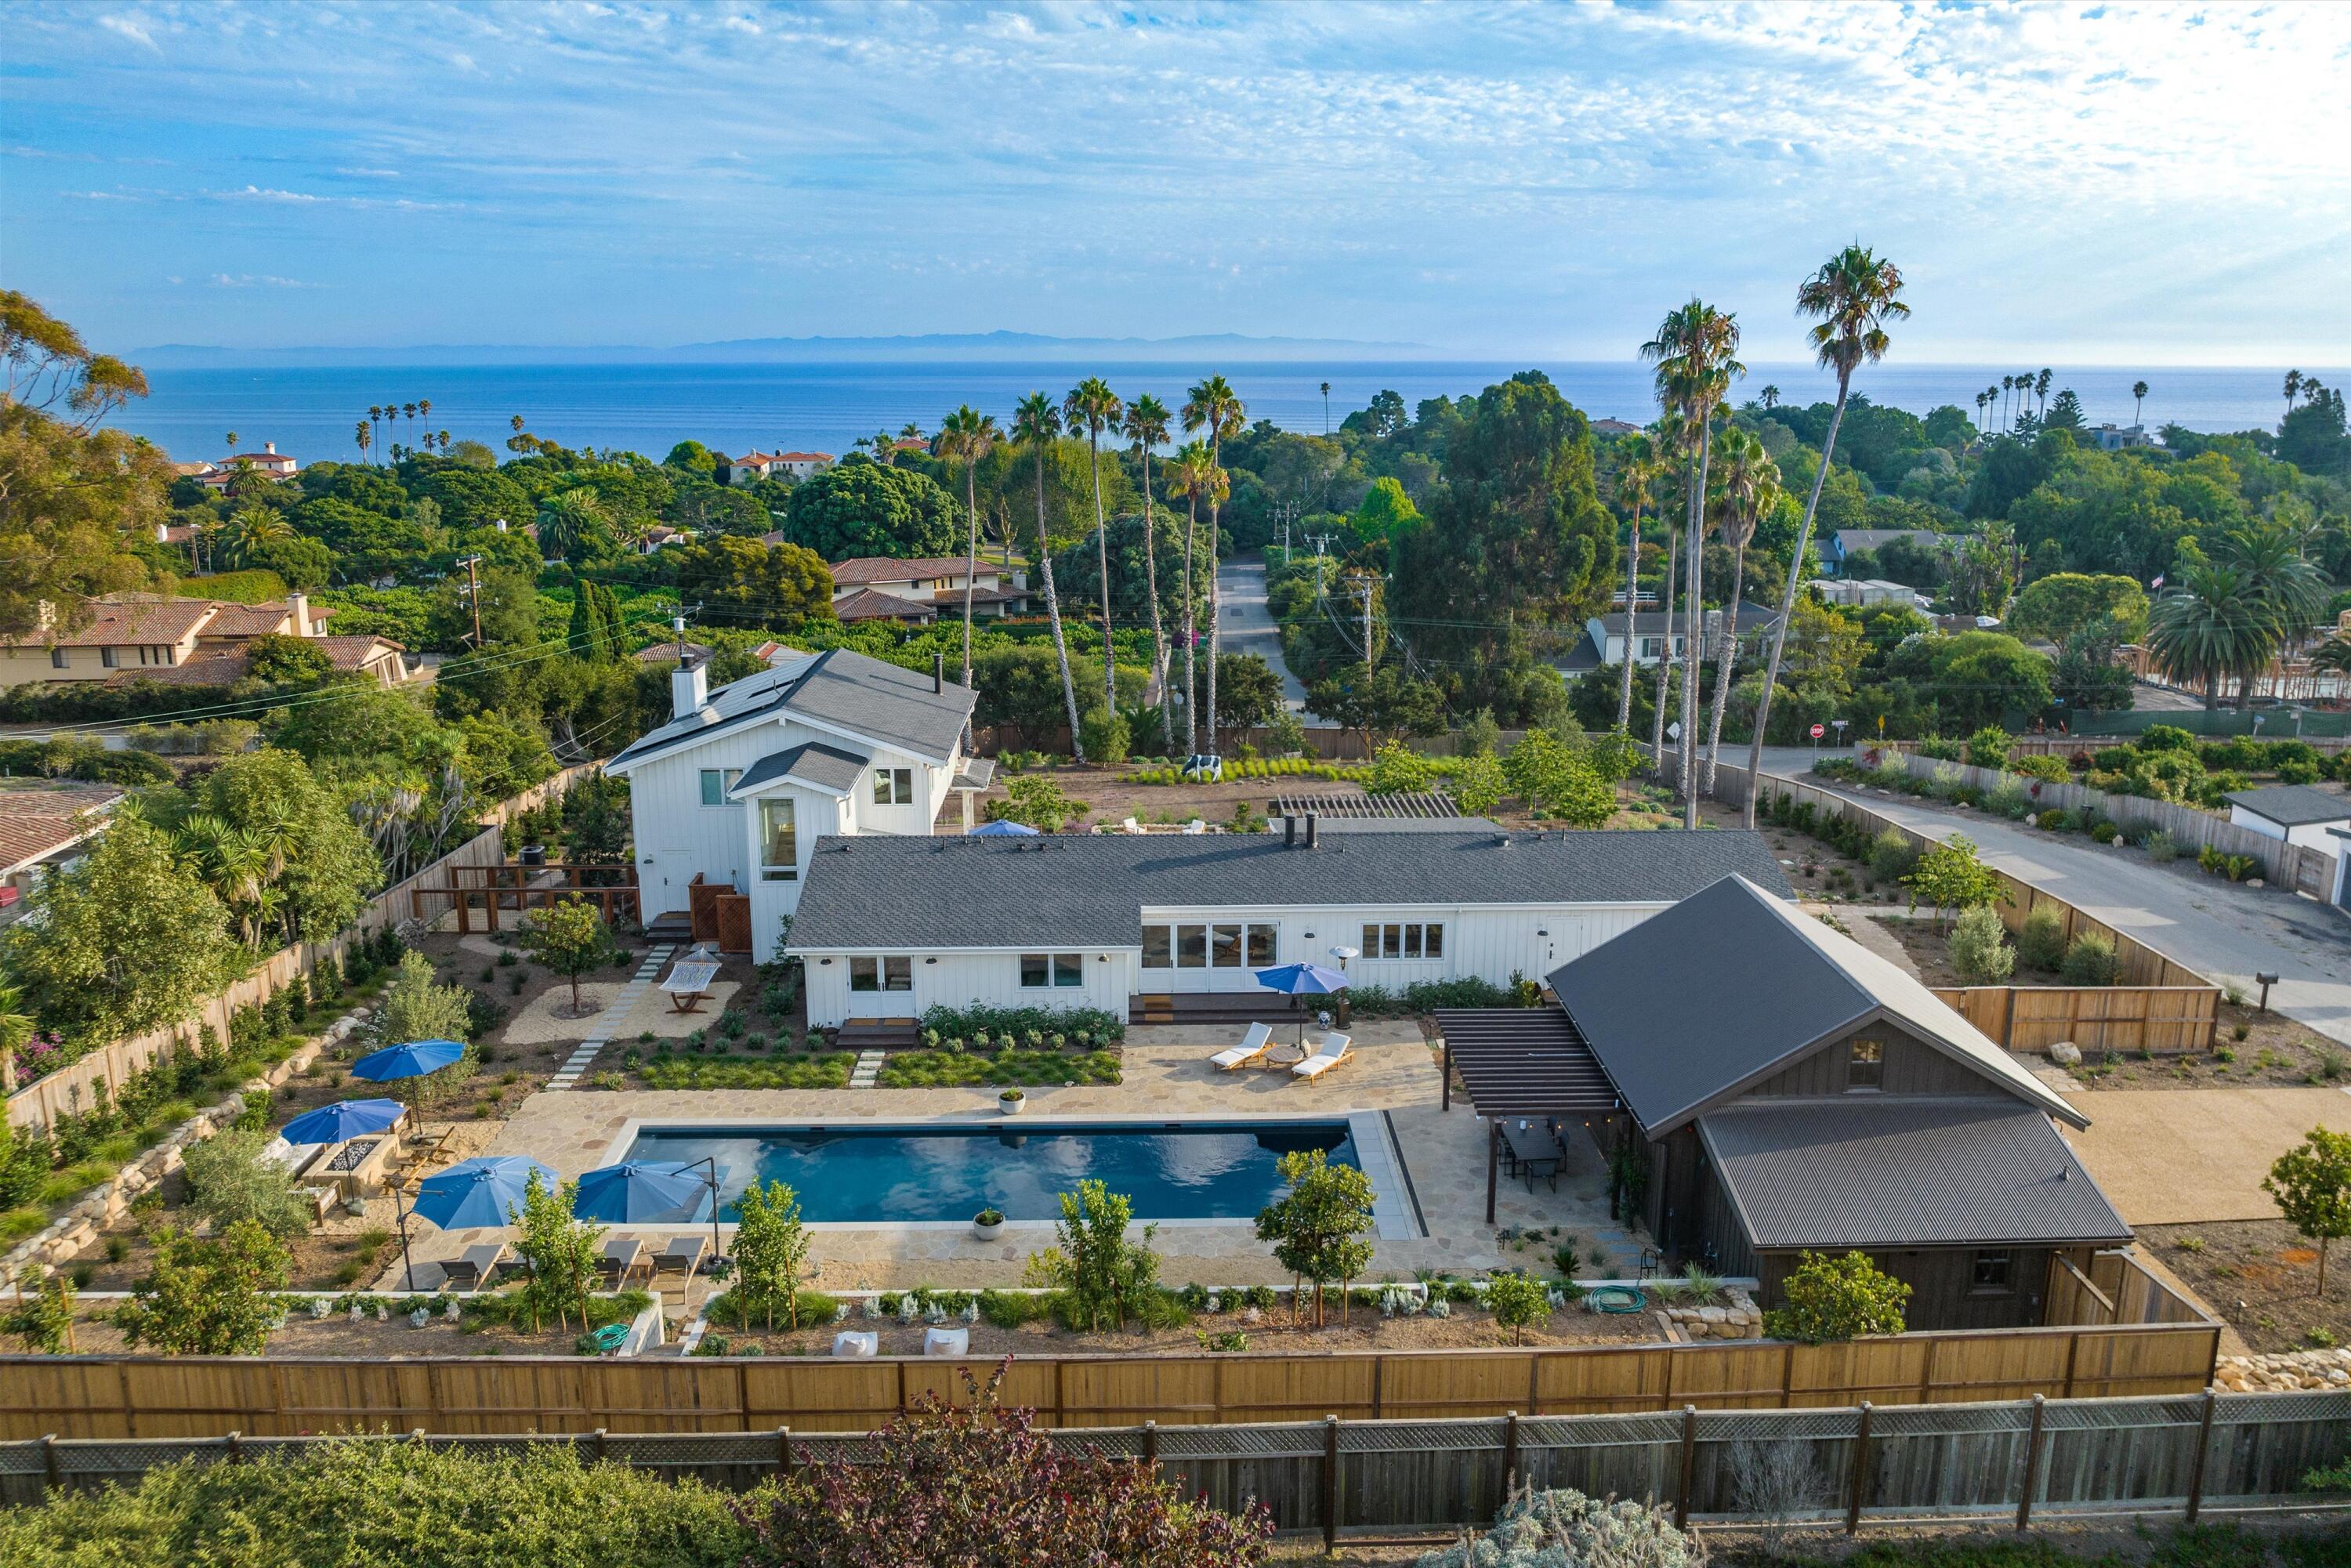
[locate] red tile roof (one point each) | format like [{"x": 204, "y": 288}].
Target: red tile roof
[
  {"x": 886, "y": 568},
  {"x": 37, "y": 820},
  {"x": 871, "y": 604}
]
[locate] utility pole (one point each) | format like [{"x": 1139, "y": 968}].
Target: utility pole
[
  {"x": 1364, "y": 586},
  {"x": 473, "y": 595}
]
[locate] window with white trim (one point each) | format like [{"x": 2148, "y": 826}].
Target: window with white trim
[
  {"x": 716, "y": 782},
  {"x": 1219, "y": 944},
  {"x": 60, "y": 659},
  {"x": 779, "y": 841},
  {"x": 894, "y": 786},
  {"x": 882, "y": 972},
  {"x": 1403, "y": 939},
  {"x": 1055, "y": 971}
]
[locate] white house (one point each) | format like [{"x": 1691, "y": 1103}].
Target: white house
[
  {"x": 890, "y": 927},
  {"x": 742, "y": 783},
  {"x": 269, "y": 462},
  {"x": 753, "y": 466},
  {"x": 2294, "y": 813},
  {"x": 1650, "y": 633}
]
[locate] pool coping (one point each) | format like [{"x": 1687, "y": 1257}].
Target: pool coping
[{"x": 1377, "y": 1156}]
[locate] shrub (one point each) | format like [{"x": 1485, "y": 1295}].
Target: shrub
[
  {"x": 1397, "y": 769},
  {"x": 2090, "y": 961},
  {"x": 1979, "y": 950},
  {"x": 229, "y": 1181},
  {"x": 208, "y": 1297},
  {"x": 1988, "y": 747},
  {"x": 1095, "y": 1268},
  {"x": 1891, "y": 855},
  {"x": 2312, "y": 1185},
  {"x": 1516, "y": 1301},
  {"x": 2008, "y": 800},
  {"x": 2161, "y": 847},
  {"x": 415, "y": 1008},
  {"x": 1106, "y": 735},
  {"x": 1836, "y": 1298},
  {"x": 2047, "y": 769},
  {"x": 2053, "y": 822},
  {"x": 2040, "y": 941},
  {"x": 1556, "y": 1529}
]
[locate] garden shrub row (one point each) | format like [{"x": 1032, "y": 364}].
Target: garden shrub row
[{"x": 1031, "y": 1025}]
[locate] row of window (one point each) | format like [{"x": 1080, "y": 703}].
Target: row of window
[
  {"x": 1224, "y": 944},
  {"x": 110, "y": 656},
  {"x": 1039, "y": 971},
  {"x": 892, "y": 785},
  {"x": 1403, "y": 939}
]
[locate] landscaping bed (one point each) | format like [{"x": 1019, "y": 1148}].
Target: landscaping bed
[
  {"x": 795, "y": 1069},
  {"x": 488, "y": 1324},
  {"x": 2255, "y": 1049},
  {"x": 953, "y": 1069},
  {"x": 2262, "y": 1278}
]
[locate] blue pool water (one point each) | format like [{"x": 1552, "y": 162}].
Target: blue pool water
[{"x": 1194, "y": 1170}]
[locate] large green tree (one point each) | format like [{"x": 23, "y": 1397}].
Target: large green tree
[
  {"x": 742, "y": 583},
  {"x": 860, "y": 508}
]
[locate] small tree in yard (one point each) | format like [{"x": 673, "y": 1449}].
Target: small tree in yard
[
  {"x": 771, "y": 1249},
  {"x": 208, "y": 1297},
  {"x": 1516, "y": 1301},
  {"x": 1949, "y": 876},
  {"x": 2312, "y": 1185},
  {"x": 1988, "y": 747},
  {"x": 560, "y": 1252},
  {"x": 1317, "y": 1226},
  {"x": 1837, "y": 1299},
  {"x": 1100, "y": 1271},
  {"x": 1037, "y": 801},
  {"x": 414, "y": 1007},
  {"x": 570, "y": 940},
  {"x": 974, "y": 1483},
  {"x": 228, "y": 1181},
  {"x": 43, "y": 1315},
  {"x": 1979, "y": 950}
]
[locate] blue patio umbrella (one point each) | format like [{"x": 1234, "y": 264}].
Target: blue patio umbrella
[
  {"x": 638, "y": 1190},
  {"x": 342, "y": 1119},
  {"x": 478, "y": 1192},
  {"x": 415, "y": 1060},
  {"x": 1302, "y": 980},
  {"x": 1003, "y": 829}
]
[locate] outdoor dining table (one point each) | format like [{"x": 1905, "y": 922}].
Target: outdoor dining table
[{"x": 1537, "y": 1151}]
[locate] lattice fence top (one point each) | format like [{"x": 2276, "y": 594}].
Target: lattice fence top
[
  {"x": 835, "y": 1447},
  {"x": 1770, "y": 1426},
  {"x": 1600, "y": 1431},
  {"x": 1117, "y": 1443},
  {"x": 2111, "y": 1415},
  {"x": 1420, "y": 1437},
  {"x": 682, "y": 1448},
  {"x": 1948, "y": 1420},
  {"x": 2265, "y": 1409},
  {"x": 1258, "y": 1442}
]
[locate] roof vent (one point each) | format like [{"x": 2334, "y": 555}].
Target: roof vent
[{"x": 1502, "y": 840}]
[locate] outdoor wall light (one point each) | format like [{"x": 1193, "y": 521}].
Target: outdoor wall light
[
  {"x": 824, "y": 960},
  {"x": 926, "y": 960}
]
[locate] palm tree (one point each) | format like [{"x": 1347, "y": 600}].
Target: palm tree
[
  {"x": 1992, "y": 394},
  {"x": 364, "y": 440},
  {"x": 1750, "y": 487},
  {"x": 911, "y": 431},
  {"x": 1146, "y": 426},
  {"x": 2212, "y": 626},
  {"x": 1192, "y": 473},
  {"x": 1037, "y": 425},
  {"x": 965, "y": 437},
  {"x": 424, "y": 408},
  {"x": 2007, "y": 386},
  {"x": 445, "y": 442},
  {"x": 1636, "y": 470},
  {"x": 2290, "y": 590},
  {"x": 1770, "y": 397},
  {"x": 1853, "y": 295},
  {"x": 1979, "y": 411},
  {"x": 2139, "y": 398},
  {"x": 1092, "y": 405},
  {"x": 569, "y": 519},
  {"x": 232, "y": 444},
  {"x": 2293, "y": 385},
  {"x": 252, "y": 528},
  {"x": 1214, "y": 406},
  {"x": 1326, "y": 408},
  {"x": 2040, "y": 390},
  {"x": 1673, "y": 439},
  {"x": 1692, "y": 350},
  {"x": 375, "y": 411}
]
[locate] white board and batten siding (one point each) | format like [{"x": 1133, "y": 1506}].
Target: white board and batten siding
[{"x": 1494, "y": 943}]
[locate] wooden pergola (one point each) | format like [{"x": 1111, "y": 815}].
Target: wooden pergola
[{"x": 1521, "y": 1062}]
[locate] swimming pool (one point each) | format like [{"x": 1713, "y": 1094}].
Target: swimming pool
[{"x": 947, "y": 1172}]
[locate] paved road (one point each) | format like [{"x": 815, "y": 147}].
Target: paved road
[
  {"x": 1249, "y": 625},
  {"x": 2222, "y": 929}
]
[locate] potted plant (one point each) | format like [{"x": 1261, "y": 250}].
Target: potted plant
[
  {"x": 1012, "y": 1102},
  {"x": 988, "y": 1223}
]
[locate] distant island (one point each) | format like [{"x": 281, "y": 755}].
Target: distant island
[{"x": 1224, "y": 347}]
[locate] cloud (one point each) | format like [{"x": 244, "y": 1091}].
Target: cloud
[
  {"x": 257, "y": 280},
  {"x": 129, "y": 28}
]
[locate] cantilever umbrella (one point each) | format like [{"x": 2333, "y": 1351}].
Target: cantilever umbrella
[
  {"x": 1298, "y": 980},
  {"x": 638, "y": 1190},
  {"x": 1000, "y": 828},
  {"x": 479, "y": 1191},
  {"x": 413, "y": 1059}
]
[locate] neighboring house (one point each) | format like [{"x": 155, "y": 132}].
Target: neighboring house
[
  {"x": 891, "y": 928},
  {"x": 669, "y": 652},
  {"x": 1603, "y": 639},
  {"x": 753, "y": 467},
  {"x": 1612, "y": 427},
  {"x": 2113, "y": 438},
  {"x": 1845, "y": 542},
  {"x": 742, "y": 781},
  {"x": 2297, "y": 813},
  {"x": 44, "y": 824},
  {"x": 661, "y": 536},
  {"x": 269, "y": 462},
  {"x": 924, "y": 588},
  {"x": 361, "y": 654},
  {"x": 1792, "y": 1091},
  {"x": 1860, "y": 592},
  {"x": 133, "y": 635}
]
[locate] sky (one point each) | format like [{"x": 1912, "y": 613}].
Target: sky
[{"x": 2086, "y": 183}]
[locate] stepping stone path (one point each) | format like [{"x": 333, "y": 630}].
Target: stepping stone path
[
  {"x": 568, "y": 1075},
  {"x": 869, "y": 1065}
]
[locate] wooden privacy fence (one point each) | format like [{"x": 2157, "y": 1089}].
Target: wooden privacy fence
[
  {"x": 2115, "y": 1290},
  {"x": 2096, "y": 1018},
  {"x": 477, "y": 894},
  {"x": 1855, "y": 1466},
  {"x": 125, "y": 1396},
  {"x": 2135, "y": 963}
]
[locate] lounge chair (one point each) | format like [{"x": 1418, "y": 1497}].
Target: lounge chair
[
  {"x": 1253, "y": 1045},
  {"x": 475, "y": 1267},
  {"x": 682, "y": 1255},
  {"x": 622, "y": 1257},
  {"x": 1333, "y": 1050}
]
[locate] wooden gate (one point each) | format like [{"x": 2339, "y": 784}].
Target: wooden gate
[{"x": 733, "y": 911}]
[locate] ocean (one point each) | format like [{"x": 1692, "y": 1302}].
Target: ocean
[{"x": 310, "y": 411}]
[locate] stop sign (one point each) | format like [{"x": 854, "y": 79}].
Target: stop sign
[{"x": 1819, "y": 730}]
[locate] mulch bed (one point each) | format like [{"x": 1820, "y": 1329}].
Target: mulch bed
[{"x": 2262, "y": 1278}]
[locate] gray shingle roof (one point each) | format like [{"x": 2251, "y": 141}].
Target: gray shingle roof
[
  {"x": 1088, "y": 890},
  {"x": 1904, "y": 1173},
  {"x": 831, "y": 768},
  {"x": 1722, "y": 989},
  {"x": 870, "y": 698},
  {"x": 2294, "y": 805}
]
